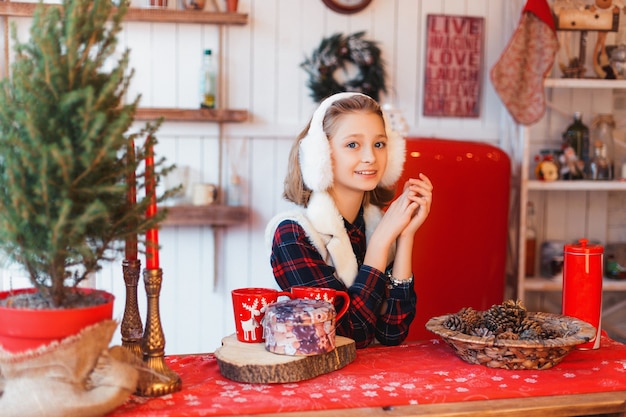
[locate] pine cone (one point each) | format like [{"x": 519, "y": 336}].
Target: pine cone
[
  {"x": 454, "y": 322},
  {"x": 504, "y": 317},
  {"x": 508, "y": 335},
  {"x": 481, "y": 332},
  {"x": 530, "y": 330},
  {"x": 519, "y": 304},
  {"x": 553, "y": 330},
  {"x": 470, "y": 317}
]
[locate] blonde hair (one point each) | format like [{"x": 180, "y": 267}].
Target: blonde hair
[{"x": 296, "y": 190}]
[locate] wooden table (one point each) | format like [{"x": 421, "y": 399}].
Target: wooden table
[
  {"x": 605, "y": 404},
  {"x": 417, "y": 379}
]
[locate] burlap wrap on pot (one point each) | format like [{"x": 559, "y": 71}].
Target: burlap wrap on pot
[{"x": 79, "y": 376}]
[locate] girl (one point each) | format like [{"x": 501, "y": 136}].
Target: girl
[{"x": 342, "y": 170}]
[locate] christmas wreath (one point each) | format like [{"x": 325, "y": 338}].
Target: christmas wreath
[{"x": 338, "y": 52}]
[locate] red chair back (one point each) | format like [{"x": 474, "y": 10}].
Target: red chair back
[{"x": 460, "y": 251}]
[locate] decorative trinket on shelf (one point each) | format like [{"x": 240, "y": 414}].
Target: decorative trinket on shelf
[
  {"x": 193, "y": 4},
  {"x": 547, "y": 164},
  {"x": 618, "y": 61},
  {"x": 547, "y": 170},
  {"x": 601, "y": 17},
  {"x": 571, "y": 166},
  {"x": 615, "y": 261},
  {"x": 157, "y": 4},
  {"x": 614, "y": 269},
  {"x": 231, "y": 6},
  {"x": 332, "y": 64}
]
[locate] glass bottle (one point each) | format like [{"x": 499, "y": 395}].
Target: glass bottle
[
  {"x": 602, "y": 131},
  {"x": 208, "y": 77},
  {"x": 600, "y": 166},
  {"x": 234, "y": 191},
  {"x": 531, "y": 240},
  {"x": 576, "y": 136}
]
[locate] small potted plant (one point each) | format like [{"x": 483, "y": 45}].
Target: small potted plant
[{"x": 64, "y": 146}]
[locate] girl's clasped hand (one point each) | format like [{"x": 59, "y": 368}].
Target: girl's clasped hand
[{"x": 411, "y": 208}]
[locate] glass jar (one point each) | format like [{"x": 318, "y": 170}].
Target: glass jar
[
  {"x": 618, "y": 61},
  {"x": 602, "y": 147},
  {"x": 601, "y": 168}
]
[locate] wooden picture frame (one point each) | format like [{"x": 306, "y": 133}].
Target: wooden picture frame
[{"x": 453, "y": 66}]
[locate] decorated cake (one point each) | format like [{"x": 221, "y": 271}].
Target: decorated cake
[{"x": 300, "y": 327}]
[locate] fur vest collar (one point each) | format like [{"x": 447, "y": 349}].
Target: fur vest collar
[{"x": 325, "y": 229}]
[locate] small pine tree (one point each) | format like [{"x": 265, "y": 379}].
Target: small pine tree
[{"x": 63, "y": 147}]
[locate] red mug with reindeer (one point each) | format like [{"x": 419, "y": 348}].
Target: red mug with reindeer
[{"x": 249, "y": 305}]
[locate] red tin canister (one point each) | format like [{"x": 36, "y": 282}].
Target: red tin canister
[{"x": 582, "y": 285}]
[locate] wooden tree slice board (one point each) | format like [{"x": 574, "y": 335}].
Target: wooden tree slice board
[{"x": 250, "y": 362}]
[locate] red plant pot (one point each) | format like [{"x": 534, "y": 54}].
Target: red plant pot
[{"x": 23, "y": 329}]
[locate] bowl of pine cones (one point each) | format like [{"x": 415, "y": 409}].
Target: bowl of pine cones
[{"x": 510, "y": 337}]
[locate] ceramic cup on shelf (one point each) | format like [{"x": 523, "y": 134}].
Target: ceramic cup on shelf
[
  {"x": 203, "y": 194},
  {"x": 323, "y": 294},
  {"x": 249, "y": 305}
]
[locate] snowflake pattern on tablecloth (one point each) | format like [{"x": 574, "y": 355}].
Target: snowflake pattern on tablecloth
[{"x": 422, "y": 373}]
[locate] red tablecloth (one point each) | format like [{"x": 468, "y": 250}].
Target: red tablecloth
[{"x": 420, "y": 373}]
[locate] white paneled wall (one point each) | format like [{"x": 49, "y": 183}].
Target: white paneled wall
[{"x": 260, "y": 72}]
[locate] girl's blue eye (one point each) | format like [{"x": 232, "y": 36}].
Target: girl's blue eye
[
  {"x": 352, "y": 145},
  {"x": 381, "y": 144}
]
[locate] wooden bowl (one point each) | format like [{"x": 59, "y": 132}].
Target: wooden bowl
[{"x": 517, "y": 354}]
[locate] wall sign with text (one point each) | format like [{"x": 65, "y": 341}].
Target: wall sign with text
[{"x": 454, "y": 61}]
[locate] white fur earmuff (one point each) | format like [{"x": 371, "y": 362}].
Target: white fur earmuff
[{"x": 314, "y": 152}]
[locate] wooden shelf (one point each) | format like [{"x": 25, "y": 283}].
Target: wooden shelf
[
  {"x": 577, "y": 185},
  {"x": 556, "y": 284},
  {"x": 212, "y": 215},
  {"x": 583, "y": 83},
  {"x": 18, "y": 9},
  {"x": 192, "y": 115},
  {"x": 185, "y": 16}
]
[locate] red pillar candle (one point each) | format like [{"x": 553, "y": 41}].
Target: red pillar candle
[
  {"x": 131, "y": 198},
  {"x": 152, "y": 235}
]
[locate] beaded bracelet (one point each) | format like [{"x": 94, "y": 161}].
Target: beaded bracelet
[{"x": 395, "y": 282}]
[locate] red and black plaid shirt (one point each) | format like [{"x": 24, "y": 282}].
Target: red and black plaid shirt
[{"x": 295, "y": 261}]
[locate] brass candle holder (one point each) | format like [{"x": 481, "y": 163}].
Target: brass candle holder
[
  {"x": 132, "y": 328},
  {"x": 162, "y": 380}
]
